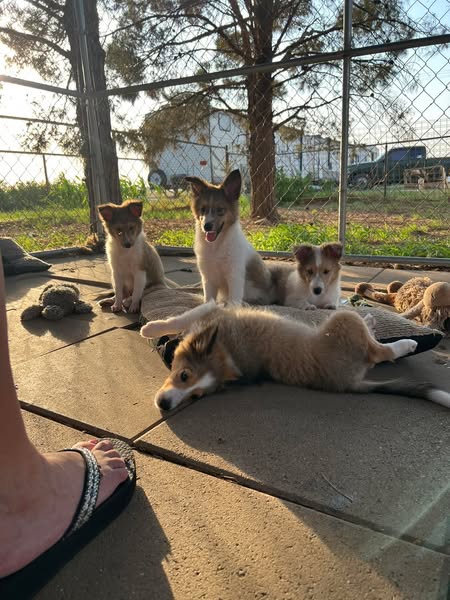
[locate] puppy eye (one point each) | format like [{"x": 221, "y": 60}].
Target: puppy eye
[
  {"x": 184, "y": 376},
  {"x": 220, "y": 212},
  {"x": 310, "y": 271},
  {"x": 326, "y": 271},
  {"x": 203, "y": 210},
  {"x": 119, "y": 232}
]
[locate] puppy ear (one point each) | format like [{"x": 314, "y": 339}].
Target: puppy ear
[
  {"x": 332, "y": 250},
  {"x": 203, "y": 343},
  {"x": 198, "y": 185},
  {"x": 303, "y": 252},
  {"x": 232, "y": 185},
  {"x": 105, "y": 211},
  {"x": 135, "y": 208}
]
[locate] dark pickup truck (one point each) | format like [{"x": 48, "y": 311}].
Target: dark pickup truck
[{"x": 391, "y": 166}]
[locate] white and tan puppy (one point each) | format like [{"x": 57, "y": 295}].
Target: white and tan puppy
[
  {"x": 134, "y": 263},
  {"x": 231, "y": 269},
  {"x": 316, "y": 281},
  {"x": 224, "y": 344}
]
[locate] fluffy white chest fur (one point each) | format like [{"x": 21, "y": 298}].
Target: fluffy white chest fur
[
  {"x": 223, "y": 263},
  {"x": 126, "y": 262}
]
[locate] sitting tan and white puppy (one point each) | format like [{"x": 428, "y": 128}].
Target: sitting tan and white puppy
[
  {"x": 231, "y": 269},
  {"x": 316, "y": 281},
  {"x": 134, "y": 263}
]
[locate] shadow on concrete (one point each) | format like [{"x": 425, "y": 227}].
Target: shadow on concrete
[
  {"x": 126, "y": 560},
  {"x": 18, "y": 286},
  {"x": 66, "y": 329}
]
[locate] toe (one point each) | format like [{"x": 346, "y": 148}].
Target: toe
[
  {"x": 104, "y": 445},
  {"x": 89, "y": 444}
]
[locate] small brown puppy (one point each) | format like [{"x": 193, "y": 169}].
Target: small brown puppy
[
  {"x": 220, "y": 345},
  {"x": 316, "y": 281},
  {"x": 134, "y": 263}
]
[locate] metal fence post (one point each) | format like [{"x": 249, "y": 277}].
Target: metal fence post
[
  {"x": 95, "y": 150},
  {"x": 346, "y": 66}
]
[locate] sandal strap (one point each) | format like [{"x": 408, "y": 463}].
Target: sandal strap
[{"x": 91, "y": 488}]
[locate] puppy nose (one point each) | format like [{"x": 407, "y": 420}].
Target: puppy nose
[
  {"x": 127, "y": 245},
  {"x": 317, "y": 290},
  {"x": 208, "y": 226},
  {"x": 164, "y": 403}
]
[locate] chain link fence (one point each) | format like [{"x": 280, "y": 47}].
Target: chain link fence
[{"x": 336, "y": 116}]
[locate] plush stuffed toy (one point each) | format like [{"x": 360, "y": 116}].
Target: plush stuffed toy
[
  {"x": 55, "y": 302},
  {"x": 419, "y": 298}
]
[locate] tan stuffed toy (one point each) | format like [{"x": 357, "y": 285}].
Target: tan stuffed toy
[{"x": 419, "y": 298}]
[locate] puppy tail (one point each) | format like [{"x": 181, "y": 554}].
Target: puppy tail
[
  {"x": 177, "y": 324},
  {"x": 367, "y": 291},
  {"x": 411, "y": 389}
]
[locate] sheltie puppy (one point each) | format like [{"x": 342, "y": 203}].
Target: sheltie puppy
[
  {"x": 225, "y": 344},
  {"x": 134, "y": 263},
  {"x": 231, "y": 269},
  {"x": 316, "y": 280}
]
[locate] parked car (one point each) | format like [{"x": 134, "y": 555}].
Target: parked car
[{"x": 391, "y": 166}]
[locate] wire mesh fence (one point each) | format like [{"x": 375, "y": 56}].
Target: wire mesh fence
[{"x": 233, "y": 87}]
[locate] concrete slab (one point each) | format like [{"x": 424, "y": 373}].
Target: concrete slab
[
  {"x": 34, "y": 338},
  {"x": 388, "y": 275},
  {"x": 350, "y": 276},
  {"x": 178, "y": 263},
  {"x": 21, "y": 289},
  {"x": 20, "y": 293},
  {"x": 182, "y": 271},
  {"x": 380, "y": 460},
  {"x": 103, "y": 384},
  {"x": 184, "y": 277},
  {"x": 187, "y": 536},
  {"x": 94, "y": 269}
]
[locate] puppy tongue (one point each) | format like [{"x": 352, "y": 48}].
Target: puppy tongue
[{"x": 210, "y": 236}]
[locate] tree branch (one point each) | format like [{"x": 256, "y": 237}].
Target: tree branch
[{"x": 35, "y": 38}]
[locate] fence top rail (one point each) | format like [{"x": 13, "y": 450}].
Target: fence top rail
[
  {"x": 285, "y": 64},
  {"x": 40, "y": 86},
  {"x": 241, "y": 71}
]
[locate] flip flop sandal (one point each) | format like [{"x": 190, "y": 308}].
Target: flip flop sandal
[{"x": 86, "y": 524}]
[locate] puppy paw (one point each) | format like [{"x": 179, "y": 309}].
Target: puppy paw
[
  {"x": 106, "y": 302},
  {"x": 134, "y": 307},
  {"x": 116, "y": 307},
  {"x": 410, "y": 346},
  {"x": 330, "y": 306},
  {"x": 126, "y": 302},
  {"x": 403, "y": 347},
  {"x": 310, "y": 307},
  {"x": 370, "y": 322},
  {"x": 153, "y": 329}
]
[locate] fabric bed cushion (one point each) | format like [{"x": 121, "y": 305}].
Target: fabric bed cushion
[
  {"x": 16, "y": 260},
  {"x": 162, "y": 303}
]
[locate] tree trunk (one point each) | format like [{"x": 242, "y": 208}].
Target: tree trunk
[
  {"x": 109, "y": 171},
  {"x": 262, "y": 148},
  {"x": 260, "y": 115}
]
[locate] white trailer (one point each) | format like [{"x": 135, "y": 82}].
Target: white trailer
[{"x": 223, "y": 145}]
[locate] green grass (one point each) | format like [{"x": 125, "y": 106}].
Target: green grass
[
  {"x": 41, "y": 217},
  {"x": 381, "y": 241}
]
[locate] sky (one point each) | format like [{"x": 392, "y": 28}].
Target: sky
[{"x": 429, "y": 100}]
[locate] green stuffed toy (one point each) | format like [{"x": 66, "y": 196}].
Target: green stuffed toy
[{"x": 55, "y": 302}]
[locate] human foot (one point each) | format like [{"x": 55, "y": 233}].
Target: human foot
[{"x": 41, "y": 498}]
